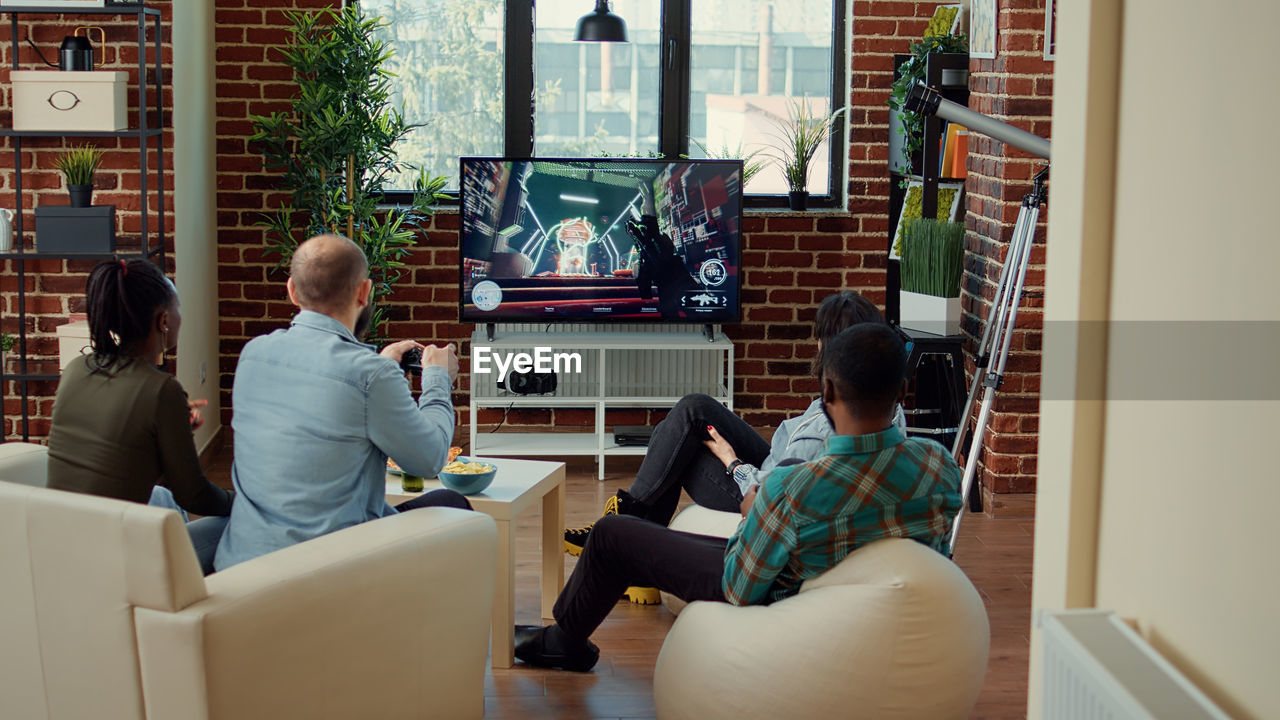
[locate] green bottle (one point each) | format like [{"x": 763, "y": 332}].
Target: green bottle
[{"x": 410, "y": 483}]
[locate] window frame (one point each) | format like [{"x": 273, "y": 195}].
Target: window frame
[{"x": 520, "y": 98}]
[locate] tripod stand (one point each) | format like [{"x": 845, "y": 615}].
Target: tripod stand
[{"x": 996, "y": 337}]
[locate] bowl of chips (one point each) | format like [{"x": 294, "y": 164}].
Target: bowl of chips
[{"x": 467, "y": 476}]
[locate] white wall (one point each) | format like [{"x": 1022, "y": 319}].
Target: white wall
[
  {"x": 1160, "y": 503},
  {"x": 194, "y": 185}
]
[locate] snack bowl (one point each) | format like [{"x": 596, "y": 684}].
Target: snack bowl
[{"x": 468, "y": 483}]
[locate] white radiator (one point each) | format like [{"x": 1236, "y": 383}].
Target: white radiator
[{"x": 1097, "y": 668}]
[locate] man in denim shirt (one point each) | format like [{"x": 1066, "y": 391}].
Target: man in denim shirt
[{"x": 317, "y": 413}]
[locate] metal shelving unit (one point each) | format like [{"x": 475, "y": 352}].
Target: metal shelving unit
[{"x": 144, "y": 132}]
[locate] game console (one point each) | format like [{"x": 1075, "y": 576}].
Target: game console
[
  {"x": 529, "y": 383},
  {"x": 632, "y": 435}
]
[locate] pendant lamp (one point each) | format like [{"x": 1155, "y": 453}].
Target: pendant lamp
[{"x": 601, "y": 26}]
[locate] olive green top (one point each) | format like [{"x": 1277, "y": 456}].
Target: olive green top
[{"x": 122, "y": 430}]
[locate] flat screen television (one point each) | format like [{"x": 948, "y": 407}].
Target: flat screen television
[{"x": 615, "y": 239}]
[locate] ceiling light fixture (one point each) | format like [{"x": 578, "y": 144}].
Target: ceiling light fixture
[{"x": 601, "y": 25}]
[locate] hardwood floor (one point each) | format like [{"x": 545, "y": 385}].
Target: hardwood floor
[{"x": 994, "y": 553}]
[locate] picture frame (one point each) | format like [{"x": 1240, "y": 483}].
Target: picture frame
[
  {"x": 938, "y": 25},
  {"x": 983, "y": 18},
  {"x": 1050, "y": 27},
  {"x": 950, "y": 199}
]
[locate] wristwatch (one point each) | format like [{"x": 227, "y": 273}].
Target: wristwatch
[{"x": 733, "y": 466}]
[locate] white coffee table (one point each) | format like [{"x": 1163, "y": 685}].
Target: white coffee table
[{"x": 515, "y": 489}]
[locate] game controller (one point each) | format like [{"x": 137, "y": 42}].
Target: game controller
[{"x": 411, "y": 361}]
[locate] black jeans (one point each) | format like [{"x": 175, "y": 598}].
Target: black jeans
[
  {"x": 677, "y": 459},
  {"x": 622, "y": 551},
  {"x": 436, "y": 498}
]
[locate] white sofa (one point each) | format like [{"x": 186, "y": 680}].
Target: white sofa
[
  {"x": 25, "y": 463},
  {"x": 893, "y": 631},
  {"x": 104, "y": 615}
]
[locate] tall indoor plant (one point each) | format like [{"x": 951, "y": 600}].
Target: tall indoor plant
[
  {"x": 336, "y": 147},
  {"x": 798, "y": 138},
  {"x": 932, "y": 266}
]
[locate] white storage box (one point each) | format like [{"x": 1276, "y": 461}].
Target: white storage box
[
  {"x": 67, "y": 101},
  {"x": 73, "y": 341}
]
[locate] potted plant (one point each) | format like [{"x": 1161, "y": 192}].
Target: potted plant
[
  {"x": 81, "y": 226},
  {"x": 932, "y": 265},
  {"x": 904, "y": 122},
  {"x": 335, "y": 149},
  {"x": 78, "y": 165},
  {"x": 798, "y": 139},
  {"x": 751, "y": 164}
]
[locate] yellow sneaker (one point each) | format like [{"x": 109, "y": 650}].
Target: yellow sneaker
[
  {"x": 576, "y": 538},
  {"x": 643, "y": 595}
]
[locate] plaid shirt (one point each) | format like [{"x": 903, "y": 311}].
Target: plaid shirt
[{"x": 808, "y": 517}]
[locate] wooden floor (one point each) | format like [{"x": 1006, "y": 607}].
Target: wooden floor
[{"x": 996, "y": 555}]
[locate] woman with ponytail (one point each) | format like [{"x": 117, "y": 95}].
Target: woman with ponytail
[{"x": 122, "y": 428}]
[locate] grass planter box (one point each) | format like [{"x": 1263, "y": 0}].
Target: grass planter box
[
  {"x": 932, "y": 265},
  {"x": 928, "y": 313},
  {"x": 63, "y": 229}
]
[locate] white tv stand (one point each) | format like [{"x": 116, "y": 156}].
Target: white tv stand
[{"x": 621, "y": 368}]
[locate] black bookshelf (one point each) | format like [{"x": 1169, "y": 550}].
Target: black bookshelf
[
  {"x": 925, "y": 162},
  {"x": 150, "y": 100}
]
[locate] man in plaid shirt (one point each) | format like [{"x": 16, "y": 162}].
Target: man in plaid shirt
[{"x": 872, "y": 483}]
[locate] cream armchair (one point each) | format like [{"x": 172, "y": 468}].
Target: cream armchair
[
  {"x": 25, "y": 463},
  {"x": 894, "y": 631},
  {"x": 104, "y": 614}
]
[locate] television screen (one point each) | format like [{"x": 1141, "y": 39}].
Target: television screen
[{"x": 609, "y": 239}]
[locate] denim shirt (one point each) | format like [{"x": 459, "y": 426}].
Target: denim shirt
[{"x": 316, "y": 414}]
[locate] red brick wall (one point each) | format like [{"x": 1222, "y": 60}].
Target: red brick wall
[
  {"x": 55, "y": 288},
  {"x": 1016, "y": 87},
  {"x": 791, "y": 261}
]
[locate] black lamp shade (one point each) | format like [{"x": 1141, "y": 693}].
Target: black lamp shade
[{"x": 601, "y": 26}]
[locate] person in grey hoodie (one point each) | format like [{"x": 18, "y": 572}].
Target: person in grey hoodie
[{"x": 703, "y": 448}]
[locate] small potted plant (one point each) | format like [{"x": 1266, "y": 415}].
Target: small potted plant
[
  {"x": 798, "y": 139},
  {"x": 932, "y": 265},
  {"x": 78, "y": 165},
  {"x": 751, "y": 164},
  {"x": 81, "y": 227},
  {"x": 7, "y": 341}
]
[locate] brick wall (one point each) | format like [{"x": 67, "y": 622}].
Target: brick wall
[
  {"x": 791, "y": 261},
  {"x": 55, "y": 288},
  {"x": 1016, "y": 87}
]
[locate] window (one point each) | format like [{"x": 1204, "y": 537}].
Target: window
[
  {"x": 449, "y": 62},
  {"x": 488, "y": 77},
  {"x": 597, "y": 98}
]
